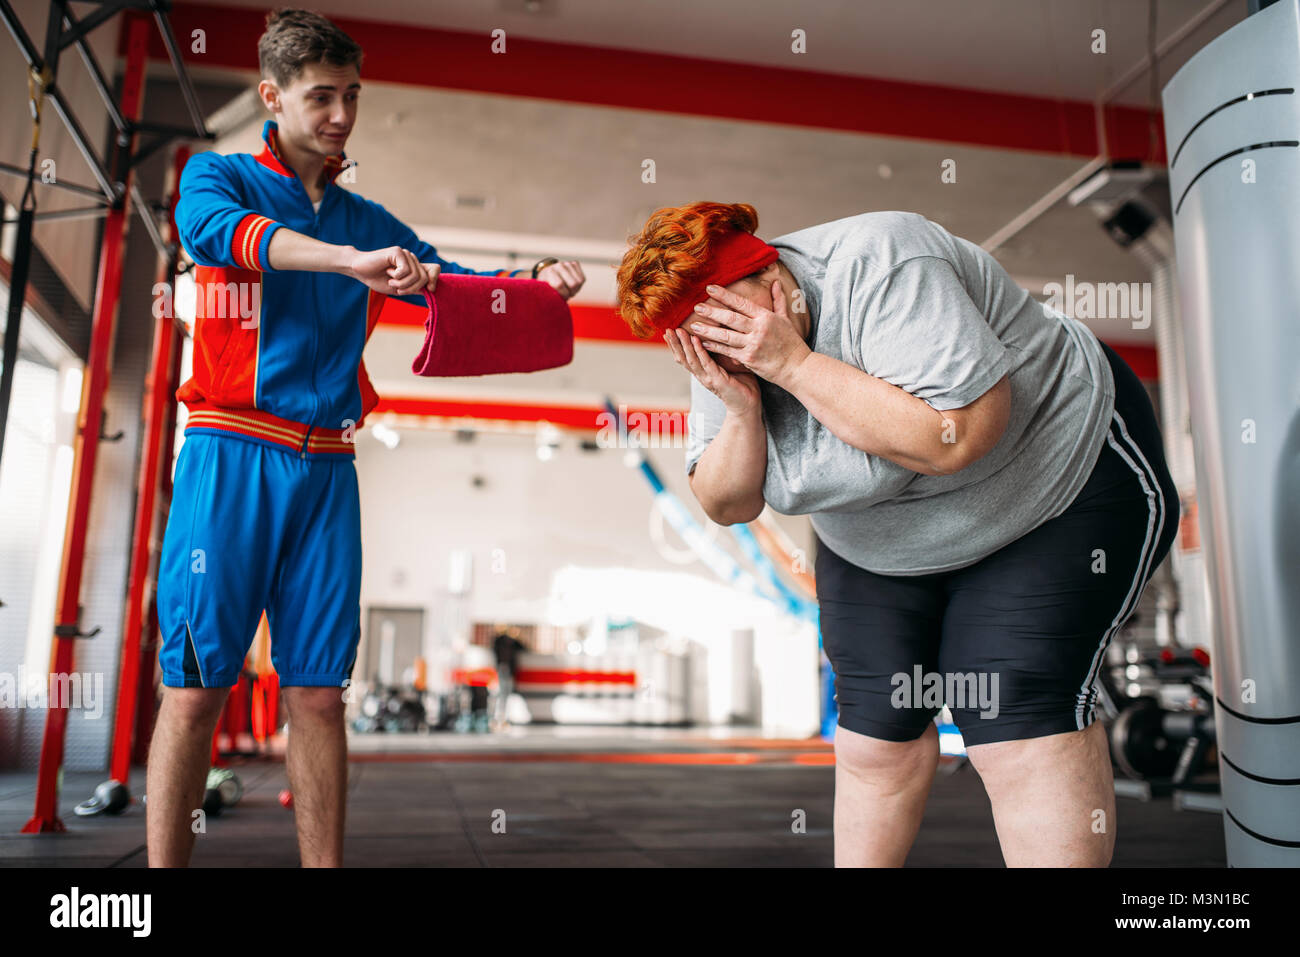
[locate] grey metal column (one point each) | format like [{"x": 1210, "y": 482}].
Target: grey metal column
[{"x": 1232, "y": 125}]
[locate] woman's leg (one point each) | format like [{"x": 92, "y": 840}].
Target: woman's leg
[
  {"x": 880, "y": 792},
  {"x": 1031, "y": 623},
  {"x": 876, "y": 629},
  {"x": 1053, "y": 798}
]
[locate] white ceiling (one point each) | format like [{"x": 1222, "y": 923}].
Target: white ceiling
[{"x": 1035, "y": 47}]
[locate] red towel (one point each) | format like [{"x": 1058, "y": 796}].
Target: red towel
[{"x": 483, "y": 325}]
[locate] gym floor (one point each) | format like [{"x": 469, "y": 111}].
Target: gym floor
[{"x": 569, "y": 798}]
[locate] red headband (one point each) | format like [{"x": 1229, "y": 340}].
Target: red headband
[{"x": 737, "y": 255}]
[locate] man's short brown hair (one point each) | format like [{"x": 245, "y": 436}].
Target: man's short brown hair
[{"x": 294, "y": 38}]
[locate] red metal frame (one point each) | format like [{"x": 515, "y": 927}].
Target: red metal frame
[
  {"x": 108, "y": 291},
  {"x": 159, "y": 396},
  {"x": 233, "y": 720},
  {"x": 265, "y": 709},
  {"x": 146, "y": 689},
  {"x": 147, "y": 693}
]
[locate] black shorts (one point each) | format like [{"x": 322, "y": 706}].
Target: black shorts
[{"x": 1012, "y": 643}]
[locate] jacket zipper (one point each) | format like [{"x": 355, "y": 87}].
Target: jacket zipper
[
  {"x": 315, "y": 338},
  {"x": 315, "y": 332}
]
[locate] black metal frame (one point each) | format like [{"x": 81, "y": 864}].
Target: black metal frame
[{"x": 63, "y": 30}]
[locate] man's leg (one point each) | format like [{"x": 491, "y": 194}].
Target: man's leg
[
  {"x": 213, "y": 575},
  {"x": 317, "y": 764},
  {"x": 179, "y": 755},
  {"x": 315, "y": 622}
]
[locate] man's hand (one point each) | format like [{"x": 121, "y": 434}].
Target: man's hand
[
  {"x": 566, "y": 278},
  {"x": 393, "y": 271},
  {"x": 764, "y": 340}
]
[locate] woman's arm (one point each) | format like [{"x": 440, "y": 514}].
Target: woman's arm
[
  {"x": 872, "y": 415},
  {"x": 928, "y": 332},
  {"x": 728, "y": 476},
  {"x": 859, "y": 409},
  {"x": 728, "y": 479}
]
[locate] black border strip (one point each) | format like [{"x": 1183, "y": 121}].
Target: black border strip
[
  {"x": 1256, "y": 777},
  {"x": 1215, "y": 162},
  {"x": 1223, "y": 106},
  {"x": 1234, "y": 152},
  {"x": 1275, "y": 841},
  {"x": 1245, "y": 717}
]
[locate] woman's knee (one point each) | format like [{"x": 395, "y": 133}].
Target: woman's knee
[
  {"x": 863, "y": 754},
  {"x": 1023, "y": 759}
]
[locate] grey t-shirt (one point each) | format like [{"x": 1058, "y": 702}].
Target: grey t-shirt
[{"x": 904, "y": 300}]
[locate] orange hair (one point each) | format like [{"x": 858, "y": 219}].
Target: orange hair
[{"x": 670, "y": 255}]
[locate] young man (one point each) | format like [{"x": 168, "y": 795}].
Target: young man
[{"x": 291, "y": 270}]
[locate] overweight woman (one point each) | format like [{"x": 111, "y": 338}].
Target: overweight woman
[{"x": 985, "y": 478}]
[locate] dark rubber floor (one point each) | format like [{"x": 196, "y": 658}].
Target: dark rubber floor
[{"x": 575, "y": 810}]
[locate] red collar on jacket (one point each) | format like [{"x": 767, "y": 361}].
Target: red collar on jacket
[{"x": 269, "y": 154}]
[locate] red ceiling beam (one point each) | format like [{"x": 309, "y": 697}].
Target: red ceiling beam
[
  {"x": 602, "y": 324},
  {"x": 575, "y": 73},
  {"x": 669, "y": 424},
  {"x": 658, "y": 424},
  {"x": 1141, "y": 357}
]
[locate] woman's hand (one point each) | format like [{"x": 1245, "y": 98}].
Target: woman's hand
[
  {"x": 764, "y": 340},
  {"x": 738, "y": 390},
  {"x": 566, "y": 278}
]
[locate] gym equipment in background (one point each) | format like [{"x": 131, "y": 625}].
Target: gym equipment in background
[
  {"x": 110, "y": 797},
  {"x": 1162, "y": 736},
  {"x": 392, "y": 709}
]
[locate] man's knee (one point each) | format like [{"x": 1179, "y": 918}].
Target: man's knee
[
  {"x": 194, "y": 708},
  {"x": 314, "y": 704}
]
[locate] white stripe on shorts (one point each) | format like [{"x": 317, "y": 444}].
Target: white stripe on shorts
[{"x": 1155, "y": 496}]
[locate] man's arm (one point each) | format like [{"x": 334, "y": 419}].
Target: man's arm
[
  {"x": 291, "y": 250},
  {"x": 215, "y": 228},
  {"x": 400, "y": 234}
]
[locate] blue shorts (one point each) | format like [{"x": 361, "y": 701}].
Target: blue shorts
[
  {"x": 254, "y": 526},
  {"x": 1014, "y": 641}
]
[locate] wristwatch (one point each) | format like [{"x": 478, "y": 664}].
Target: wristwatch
[{"x": 542, "y": 264}]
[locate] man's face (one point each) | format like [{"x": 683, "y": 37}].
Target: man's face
[{"x": 317, "y": 111}]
